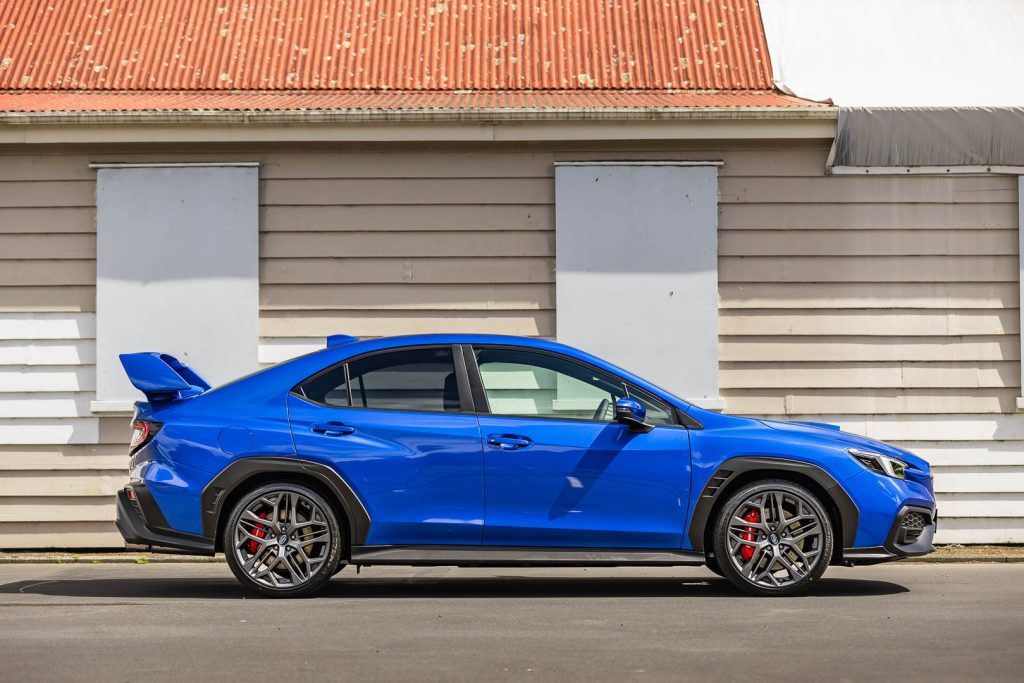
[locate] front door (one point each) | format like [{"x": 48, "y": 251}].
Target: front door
[
  {"x": 561, "y": 472},
  {"x": 392, "y": 424}
]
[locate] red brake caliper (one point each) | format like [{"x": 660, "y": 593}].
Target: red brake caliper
[
  {"x": 260, "y": 531},
  {"x": 747, "y": 551}
]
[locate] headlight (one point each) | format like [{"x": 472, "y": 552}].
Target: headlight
[{"x": 882, "y": 464}]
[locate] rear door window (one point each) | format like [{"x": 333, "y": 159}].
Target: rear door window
[{"x": 421, "y": 379}]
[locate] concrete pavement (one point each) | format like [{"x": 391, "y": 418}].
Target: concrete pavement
[{"x": 172, "y": 621}]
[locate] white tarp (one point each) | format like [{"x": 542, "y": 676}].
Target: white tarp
[
  {"x": 918, "y": 82},
  {"x": 898, "y": 53}
]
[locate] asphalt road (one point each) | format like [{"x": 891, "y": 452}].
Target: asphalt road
[{"x": 192, "y": 621}]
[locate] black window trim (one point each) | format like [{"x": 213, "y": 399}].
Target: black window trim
[
  {"x": 461, "y": 377},
  {"x": 476, "y": 382}
]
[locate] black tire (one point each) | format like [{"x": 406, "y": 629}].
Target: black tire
[
  {"x": 785, "y": 558},
  {"x": 276, "y": 564},
  {"x": 711, "y": 563}
]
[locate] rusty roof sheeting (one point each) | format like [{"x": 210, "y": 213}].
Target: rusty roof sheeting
[
  {"x": 393, "y": 100},
  {"x": 407, "y": 45}
]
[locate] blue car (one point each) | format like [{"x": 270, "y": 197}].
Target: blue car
[{"x": 480, "y": 450}]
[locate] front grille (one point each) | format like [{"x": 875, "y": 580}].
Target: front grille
[
  {"x": 915, "y": 520},
  {"x": 913, "y": 526}
]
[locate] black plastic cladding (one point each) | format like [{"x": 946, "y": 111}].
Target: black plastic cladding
[
  {"x": 238, "y": 472},
  {"x": 736, "y": 467}
]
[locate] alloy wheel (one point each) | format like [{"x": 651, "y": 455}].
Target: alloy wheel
[
  {"x": 282, "y": 539},
  {"x": 775, "y": 539}
]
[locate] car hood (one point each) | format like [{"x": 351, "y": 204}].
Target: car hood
[{"x": 832, "y": 434}]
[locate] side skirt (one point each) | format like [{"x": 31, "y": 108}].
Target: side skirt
[{"x": 493, "y": 556}]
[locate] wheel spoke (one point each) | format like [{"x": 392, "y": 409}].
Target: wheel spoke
[
  {"x": 257, "y": 559},
  {"x": 794, "y": 548},
  {"x": 268, "y": 572},
  {"x": 245, "y": 537},
  {"x": 740, "y": 522},
  {"x": 764, "y": 573},
  {"x": 753, "y": 562},
  {"x": 794, "y": 571},
  {"x": 253, "y": 519},
  {"x": 310, "y": 539},
  {"x": 809, "y": 530},
  {"x": 296, "y": 570},
  {"x": 293, "y": 513},
  {"x": 780, "y": 510}
]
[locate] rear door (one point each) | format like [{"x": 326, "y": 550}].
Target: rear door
[
  {"x": 395, "y": 425},
  {"x": 560, "y": 472}
]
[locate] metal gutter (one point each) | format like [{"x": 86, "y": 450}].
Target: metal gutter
[
  {"x": 321, "y": 126},
  {"x": 231, "y": 117}
]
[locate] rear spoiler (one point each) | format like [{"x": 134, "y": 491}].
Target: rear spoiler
[{"x": 162, "y": 377}]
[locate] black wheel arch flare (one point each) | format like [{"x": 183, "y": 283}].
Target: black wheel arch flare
[
  {"x": 746, "y": 468},
  {"x": 240, "y": 472}
]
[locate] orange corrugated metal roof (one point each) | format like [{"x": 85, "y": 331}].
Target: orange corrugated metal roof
[{"x": 246, "y": 50}]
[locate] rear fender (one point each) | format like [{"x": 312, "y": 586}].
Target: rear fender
[{"x": 219, "y": 491}]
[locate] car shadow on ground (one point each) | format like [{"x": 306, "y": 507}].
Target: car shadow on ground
[{"x": 510, "y": 587}]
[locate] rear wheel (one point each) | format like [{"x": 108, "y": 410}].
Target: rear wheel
[
  {"x": 283, "y": 540},
  {"x": 773, "y": 537}
]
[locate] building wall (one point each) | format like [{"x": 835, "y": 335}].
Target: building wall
[{"x": 889, "y": 305}]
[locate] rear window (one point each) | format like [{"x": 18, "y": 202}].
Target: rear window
[{"x": 407, "y": 379}]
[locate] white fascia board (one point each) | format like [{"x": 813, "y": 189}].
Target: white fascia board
[
  {"x": 739, "y": 125},
  {"x": 639, "y": 163},
  {"x": 183, "y": 164},
  {"x": 925, "y": 170},
  {"x": 112, "y": 407}
]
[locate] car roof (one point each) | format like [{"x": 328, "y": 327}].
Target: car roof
[
  {"x": 289, "y": 372},
  {"x": 360, "y": 346},
  {"x": 458, "y": 338}
]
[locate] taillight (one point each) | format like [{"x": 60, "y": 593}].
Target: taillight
[{"x": 143, "y": 432}]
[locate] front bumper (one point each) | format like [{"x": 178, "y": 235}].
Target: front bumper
[
  {"x": 141, "y": 522},
  {"x": 911, "y": 536}
]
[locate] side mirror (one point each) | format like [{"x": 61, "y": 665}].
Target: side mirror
[{"x": 630, "y": 411}]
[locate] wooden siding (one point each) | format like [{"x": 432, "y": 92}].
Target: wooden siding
[
  {"x": 889, "y": 305},
  {"x": 866, "y": 295}
]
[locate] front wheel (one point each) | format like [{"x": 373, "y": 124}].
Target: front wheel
[
  {"x": 283, "y": 540},
  {"x": 773, "y": 537}
]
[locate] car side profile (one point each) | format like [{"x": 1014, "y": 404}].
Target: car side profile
[{"x": 482, "y": 450}]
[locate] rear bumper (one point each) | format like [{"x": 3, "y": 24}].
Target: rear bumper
[
  {"x": 903, "y": 540},
  {"x": 141, "y": 522}
]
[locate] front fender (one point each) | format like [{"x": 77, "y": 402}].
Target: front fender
[{"x": 733, "y": 468}]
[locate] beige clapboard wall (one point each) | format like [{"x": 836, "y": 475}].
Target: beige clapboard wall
[{"x": 886, "y": 304}]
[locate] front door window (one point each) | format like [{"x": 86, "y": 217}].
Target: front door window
[{"x": 522, "y": 383}]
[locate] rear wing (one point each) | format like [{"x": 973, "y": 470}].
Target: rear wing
[{"x": 162, "y": 377}]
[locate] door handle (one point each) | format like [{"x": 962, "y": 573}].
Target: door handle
[
  {"x": 508, "y": 442},
  {"x": 332, "y": 429}
]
